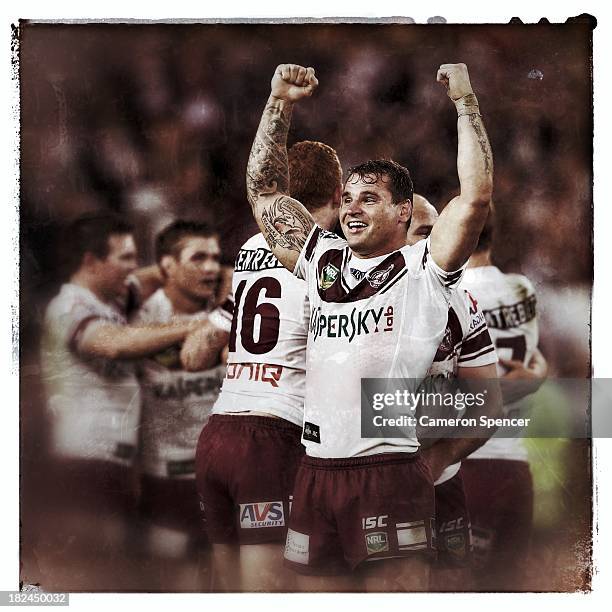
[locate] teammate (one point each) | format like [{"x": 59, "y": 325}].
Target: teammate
[
  {"x": 359, "y": 499},
  {"x": 497, "y": 478},
  {"x": 467, "y": 351},
  {"x": 176, "y": 403},
  {"x": 248, "y": 453},
  {"x": 88, "y": 359}
]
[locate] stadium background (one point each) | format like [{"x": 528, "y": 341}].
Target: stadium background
[{"x": 156, "y": 122}]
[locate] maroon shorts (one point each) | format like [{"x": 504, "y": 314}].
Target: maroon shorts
[
  {"x": 172, "y": 503},
  {"x": 346, "y": 511},
  {"x": 500, "y": 502},
  {"x": 245, "y": 468},
  {"x": 453, "y": 534}
]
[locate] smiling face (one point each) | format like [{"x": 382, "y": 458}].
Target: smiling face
[
  {"x": 194, "y": 271},
  {"x": 372, "y": 223}
]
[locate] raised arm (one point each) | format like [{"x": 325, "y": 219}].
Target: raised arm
[
  {"x": 283, "y": 221},
  {"x": 456, "y": 232}
]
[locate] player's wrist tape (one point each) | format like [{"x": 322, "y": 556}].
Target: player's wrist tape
[{"x": 467, "y": 105}]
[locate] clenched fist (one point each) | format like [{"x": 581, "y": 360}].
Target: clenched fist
[
  {"x": 292, "y": 82},
  {"x": 456, "y": 79}
]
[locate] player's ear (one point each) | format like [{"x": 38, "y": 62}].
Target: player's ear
[
  {"x": 405, "y": 211},
  {"x": 338, "y": 196},
  {"x": 89, "y": 260},
  {"x": 166, "y": 263}
]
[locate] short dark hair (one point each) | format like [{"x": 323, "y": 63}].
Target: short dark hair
[
  {"x": 314, "y": 173},
  {"x": 400, "y": 183},
  {"x": 170, "y": 240},
  {"x": 89, "y": 233}
]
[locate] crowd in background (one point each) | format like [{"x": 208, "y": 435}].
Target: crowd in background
[{"x": 155, "y": 122}]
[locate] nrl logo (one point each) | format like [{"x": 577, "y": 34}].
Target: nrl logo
[
  {"x": 379, "y": 278},
  {"x": 376, "y": 542},
  {"x": 329, "y": 274}
]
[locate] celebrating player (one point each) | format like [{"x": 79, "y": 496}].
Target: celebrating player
[
  {"x": 176, "y": 403},
  {"x": 379, "y": 309},
  {"x": 248, "y": 453},
  {"x": 497, "y": 477},
  {"x": 88, "y": 357}
]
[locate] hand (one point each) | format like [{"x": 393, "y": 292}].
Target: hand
[
  {"x": 195, "y": 354},
  {"x": 292, "y": 82},
  {"x": 456, "y": 79}
]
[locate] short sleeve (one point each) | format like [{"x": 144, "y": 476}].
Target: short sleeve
[
  {"x": 221, "y": 317},
  {"x": 477, "y": 348},
  {"x": 448, "y": 280}
]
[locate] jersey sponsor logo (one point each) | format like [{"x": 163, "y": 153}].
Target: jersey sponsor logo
[
  {"x": 257, "y": 372},
  {"x": 513, "y": 315},
  {"x": 358, "y": 274},
  {"x": 373, "y": 522},
  {"x": 411, "y": 536},
  {"x": 473, "y": 303},
  {"x": 357, "y": 323},
  {"x": 182, "y": 389},
  {"x": 452, "y": 525},
  {"x": 311, "y": 432},
  {"x": 329, "y": 274},
  {"x": 377, "y": 542},
  {"x": 262, "y": 514},
  {"x": 297, "y": 547},
  {"x": 256, "y": 260},
  {"x": 379, "y": 277}
]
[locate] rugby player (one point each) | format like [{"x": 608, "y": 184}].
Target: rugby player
[
  {"x": 88, "y": 355},
  {"x": 497, "y": 477},
  {"x": 176, "y": 403},
  {"x": 466, "y": 352},
  {"x": 388, "y": 323},
  {"x": 248, "y": 453}
]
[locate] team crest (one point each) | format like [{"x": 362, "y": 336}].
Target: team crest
[
  {"x": 329, "y": 274},
  {"x": 379, "y": 278}
]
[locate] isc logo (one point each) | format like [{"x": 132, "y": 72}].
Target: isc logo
[
  {"x": 262, "y": 514},
  {"x": 372, "y": 522}
]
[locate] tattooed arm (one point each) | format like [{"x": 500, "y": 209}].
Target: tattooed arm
[
  {"x": 283, "y": 221},
  {"x": 456, "y": 232}
]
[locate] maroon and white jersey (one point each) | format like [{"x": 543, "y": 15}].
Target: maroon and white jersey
[
  {"x": 93, "y": 404},
  {"x": 370, "y": 318},
  {"x": 466, "y": 344},
  {"x": 267, "y": 346},
  {"x": 175, "y": 403},
  {"x": 509, "y": 305}
]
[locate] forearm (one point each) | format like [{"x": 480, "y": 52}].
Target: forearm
[
  {"x": 474, "y": 156},
  {"x": 202, "y": 348},
  {"x": 132, "y": 342},
  {"x": 268, "y": 168}
]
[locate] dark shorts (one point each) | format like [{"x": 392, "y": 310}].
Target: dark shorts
[
  {"x": 245, "y": 469},
  {"x": 500, "y": 502},
  {"x": 172, "y": 503},
  {"x": 453, "y": 534},
  {"x": 347, "y": 511},
  {"x": 93, "y": 485}
]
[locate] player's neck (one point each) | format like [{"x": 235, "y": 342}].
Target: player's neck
[
  {"x": 181, "y": 303},
  {"x": 479, "y": 260},
  {"x": 83, "y": 278},
  {"x": 326, "y": 216}
]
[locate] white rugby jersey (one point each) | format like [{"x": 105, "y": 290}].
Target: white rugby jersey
[
  {"x": 466, "y": 344},
  {"x": 267, "y": 346},
  {"x": 93, "y": 404},
  {"x": 509, "y": 305},
  {"x": 388, "y": 324},
  {"x": 175, "y": 403}
]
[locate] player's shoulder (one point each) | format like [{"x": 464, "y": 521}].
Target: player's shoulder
[
  {"x": 72, "y": 298},
  {"x": 256, "y": 256},
  {"x": 156, "y": 308},
  {"x": 519, "y": 284}
]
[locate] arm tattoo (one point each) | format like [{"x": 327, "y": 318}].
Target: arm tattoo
[
  {"x": 285, "y": 225},
  {"x": 483, "y": 141},
  {"x": 268, "y": 169}
]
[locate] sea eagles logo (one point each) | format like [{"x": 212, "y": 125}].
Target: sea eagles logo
[
  {"x": 379, "y": 278},
  {"x": 329, "y": 274}
]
